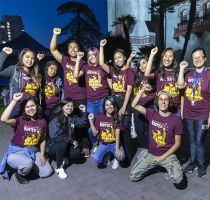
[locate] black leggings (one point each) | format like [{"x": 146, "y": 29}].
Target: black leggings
[{"x": 63, "y": 149}]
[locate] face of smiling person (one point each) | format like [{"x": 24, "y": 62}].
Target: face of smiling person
[
  {"x": 109, "y": 108},
  {"x": 28, "y": 59},
  {"x": 163, "y": 102},
  {"x": 30, "y": 108},
  {"x": 119, "y": 59},
  {"x": 92, "y": 57},
  {"x": 168, "y": 58},
  {"x": 142, "y": 65},
  {"x": 199, "y": 59},
  {"x": 52, "y": 71},
  {"x": 68, "y": 109},
  {"x": 73, "y": 48}
]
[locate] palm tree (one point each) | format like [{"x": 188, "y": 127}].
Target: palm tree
[{"x": 83, "y": 27}]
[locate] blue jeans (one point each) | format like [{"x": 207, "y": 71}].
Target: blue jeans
[
  {"x": 197, "y": 139},
  {"x": 103, "y": 149},
  {"x": 94, "y": 107}
]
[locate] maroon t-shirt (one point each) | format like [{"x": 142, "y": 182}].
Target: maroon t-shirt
[
  {"x": 197, "y": 107},
  {"x": 29, "y": 133},
  {"x": 73, "y": 88},
  {"x": 147, "y": 96},
  {"x": 104, "y": 126},
  {"x": 96, "y": 82},
  {"x": 122, "y": 80},
  {"x": 162, "y": 131},
  {"x": 168, "y": 85},
  {"x": 51, "y": 94}
]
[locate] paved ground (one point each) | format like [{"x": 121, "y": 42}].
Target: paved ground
[{"x": 87, "y": 182}]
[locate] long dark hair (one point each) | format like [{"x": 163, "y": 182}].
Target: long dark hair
[
  {"x": 175, "y": 68},
  {"x": 38, "y": 114},
  {"x": 46, "y": 78},
  {"x": 115, "y": 117},
  {"x": 116, "y": 67},
  {"x": 58, "y": 112}
]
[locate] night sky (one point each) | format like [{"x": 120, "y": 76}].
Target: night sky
[{"x": 40, "y": 16}]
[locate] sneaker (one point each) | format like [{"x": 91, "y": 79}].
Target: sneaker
[
  {"x": 190, "y": 167},
  {"x": 21, "y": 179},
  {"x": 201, "y": 170},
  {"x": 115, "y": 164},
  {"x": 94, "y": 150},
  {"x": 61, "y": 173},
  {"x": 86, "y": 152}
]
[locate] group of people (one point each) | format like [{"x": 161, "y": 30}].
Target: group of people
[{"x": 96, "y": 107}]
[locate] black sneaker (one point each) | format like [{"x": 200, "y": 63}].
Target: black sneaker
[
  {"x": 190, "y": 167},
  {"x": 21, "y": 179},
  {"x": 201, "y": 170}
]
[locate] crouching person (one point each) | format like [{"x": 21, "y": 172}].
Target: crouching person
[
  {"x": 23, "y": 153},
  {"x": 165, "y": 130}
]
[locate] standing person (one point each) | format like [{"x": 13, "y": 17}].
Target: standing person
[
  {"x": 24, "y": 76},
  {"x": 140, "y": 123},
  {"x": 52, "y": 88},
  {"x": 73, "y": 87},
  {"x": 30, "y": 131},
  {"x": 61, "y": 142},
  {"x": 165, "y": 129},
  {"x": 166, "y": 76},
  {"x": 122, "y": 84},
  {"x": 96, "y": 85},
  {"x": 196, "y": 111},
  {"x": 107, "y": 127}
]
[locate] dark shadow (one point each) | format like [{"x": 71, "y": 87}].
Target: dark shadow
[{"x": 183, "y": 185}]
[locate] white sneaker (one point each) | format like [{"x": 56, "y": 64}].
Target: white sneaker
[
  {"x": 61, "y": 173},
  {"x": 115, "y": 164}
]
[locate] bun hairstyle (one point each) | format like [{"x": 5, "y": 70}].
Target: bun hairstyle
[{"x": 163, "y": 92}]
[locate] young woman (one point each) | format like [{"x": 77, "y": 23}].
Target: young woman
[
  {"x": 51, "y": 88},
  {"x": 140, "y": 123},
  {"x": 30, "y": 131},
  {"x": 122, "y": 84},
  {"x": 24, "y": 76},
  {"x": 107, "y": 127},
  {"x": 61, "y": 142},
  {"x": 96, "y": 85},
  {"x": 73, "y": 87},
  {"x": 196, "y": 111},
  {"x": 166, "y": 76},
  {"x": 165, "y": 129}
]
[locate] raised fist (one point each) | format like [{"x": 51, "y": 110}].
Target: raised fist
[
  {"x": 40, "y": 56},
  {"x": 103, "y": 42},
  {"x": 183, "y": 64},
  {"x": 80, "y": 54},
  {"x": 7, "y": 50},
  {"x": 154, "y": 51},
  {"x": 91, "y": 116},
  {"x": 17, "y": 96},
  {"x": 57, "y": 31}
]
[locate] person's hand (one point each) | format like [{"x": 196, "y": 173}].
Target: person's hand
[
  {"x": 7, "y": 50},
  {"x": 17, "y": 96},
  {"x": 133, "y": 54},
  {"x": 42, "y": 160},
  {"x": 183, "y": 64},
  {"x": 40, "y": 56},
  {"x": 118, "y": 153},
  {"x": 82, "y": 107},
  {"x": 80, "y": 55},
  {"x": 121, "y": 111},
  {"x": 147, "y": 87},
  {"x": 91, "y": 116},
  {"x": 75, "y": 143},
  {"x": 159, "y": 159},
  {"x": 57, "y": 31},
  {"x": 154, "y": 51},
  {"x": 103, "y": 42}
]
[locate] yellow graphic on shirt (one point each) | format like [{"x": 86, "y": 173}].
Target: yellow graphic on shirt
[
  {"x": 160, "y": 138},
  {"x": 32, "y": 88},
  {"x": 95, "y": 82},
  {"x": 119, "y": 85},
  {"x": 137, "y": 89},
  {"x": 49, "y": 90},
  {"x": 197, "y": 96},
  {"x": 70, "y": 78},
  {"x": 172, "y": 89},
  {"x": 108, "y": 135},
  {"x": 32, "y": 139}
]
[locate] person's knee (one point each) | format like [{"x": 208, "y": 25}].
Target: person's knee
[
  {"x": 45, "y": 171},
  {"x": 177, "y": 178}
]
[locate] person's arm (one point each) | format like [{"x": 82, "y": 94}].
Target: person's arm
[
  {"x": 5, "y": 52},
  {"x": 77, "y": 72},
  {"x": 53, "y": 45},
  {"x": 180, "y": 80},
  {"x": 117, "y": 148},
  {"x": 101, "y": 56},
  {"x": 92, "y": 125},
  {"x": 82, "y": 121},
  {"x": 42, "y": 152},
  {"x": 148, "y": 70},
  {"x": 129, "y": 60},
  {"x": 182, "y": 106},
  {"x": 5, "y": 117},
  {"x": 171, "y": 151}
]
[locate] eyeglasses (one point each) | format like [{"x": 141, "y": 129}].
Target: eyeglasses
[
  {"x": 163, "y": 100},
  {"x": 198, "y": 58}
]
